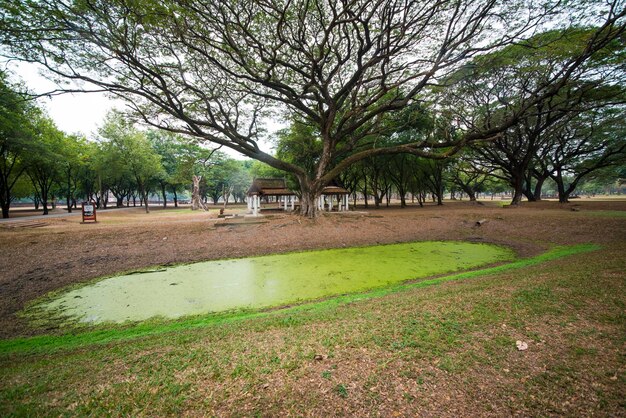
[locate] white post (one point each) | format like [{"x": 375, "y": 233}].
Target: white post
[
  {"x": 249, "y": 201},
  {"x": 347, "y": 205},
  {"x": 285, "y": 203},
  {"x": 255, "y": 205}
]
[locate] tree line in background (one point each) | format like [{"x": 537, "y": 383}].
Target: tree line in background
[
  {"x": 353, "y": 72},
  {"x": 582, "y": 150},
  {"x": 41, "y": 163},
  {"x": 411, "y": 99}
]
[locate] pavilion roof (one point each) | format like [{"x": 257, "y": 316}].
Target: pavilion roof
[
  {"x": 269, "y": 187},
  {"x": 278, "y": 187},
  {"x": 335, "y": 190}
]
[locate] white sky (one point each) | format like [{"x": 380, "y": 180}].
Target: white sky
[{"x": 72, "y": 112}]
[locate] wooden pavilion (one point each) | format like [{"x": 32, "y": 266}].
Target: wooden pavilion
[
  {"x": 276, "y": 188},
  {"x": 270, "y": 188}
]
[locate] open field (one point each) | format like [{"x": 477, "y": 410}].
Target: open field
[{"x": 447, "y": 349}]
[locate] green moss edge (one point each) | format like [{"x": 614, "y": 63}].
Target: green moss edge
[{"x": 51, "y": 343}]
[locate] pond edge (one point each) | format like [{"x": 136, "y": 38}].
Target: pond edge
[{"x": 49, "y": 343}]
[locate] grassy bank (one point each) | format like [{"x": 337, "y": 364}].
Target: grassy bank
[{"x": 444, "y": 346}]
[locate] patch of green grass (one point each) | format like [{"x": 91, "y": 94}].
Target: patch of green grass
[
  {"x": 538, "y": 300},
  {"x": 429, "y": 334},
  {"x": 341, "y": 390},
  {"x": 605, "y": 213}
]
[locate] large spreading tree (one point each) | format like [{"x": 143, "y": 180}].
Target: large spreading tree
[{"x": 219, "y": 70}]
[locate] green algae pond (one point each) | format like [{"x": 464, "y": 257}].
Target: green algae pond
[{"x": 265, "y": 281}]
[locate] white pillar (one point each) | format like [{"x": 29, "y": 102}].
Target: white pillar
[
  {"x": 285, "y": 203},
  {"x": 255, "y": 205},
  {"x": 249, "y": 201},
  {"x": 347, "y": 205}
]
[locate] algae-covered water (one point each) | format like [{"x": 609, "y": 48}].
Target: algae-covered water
[{"x": 259, "y": 282}]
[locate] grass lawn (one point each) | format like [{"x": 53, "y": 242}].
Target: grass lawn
[{"x": 445, "y": 348}]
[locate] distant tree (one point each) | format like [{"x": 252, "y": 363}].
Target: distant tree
[
  {"x": 114, "y": 174},
  {"x": 195, "y": 162},
  {"x": 135, "y": 152},
  {"x": 16, "y": 135},
  {"x": 589, "y": 142},
  {"x": 511, "y": 81},
  {"x": 469, "y": 175},
  {"x": 240, "y": 180},
  {"x": 74, "y": 152},
  {"x": 178, "y": 155},
  {"x": 45, "y": 158},
  {"x": 87, "y": 173}
]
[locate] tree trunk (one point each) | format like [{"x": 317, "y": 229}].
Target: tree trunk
[
  {"x": 69, "y": 192},
  {"x": 527, "y": 191},
  {"x": 308, "y": 205},
  {"x": 175, "y": 198},
  {"x": 44, "y": 202},
  {"x": 164, "y": 193},
  {"x": 196, "y": 201},
  {"x": 5, "y": 209},
  {"x": 517, "y": 195},
  {"x": 564, "y": 193},
  {"x": 308, "y": 199},
  {"x": 538, "y": 187},
  {"x": 563, "y": 196},
  {"x": 517, "y": 182},
  {"x": 144, "y": 197},
  {"x": 560, "y": 186}
]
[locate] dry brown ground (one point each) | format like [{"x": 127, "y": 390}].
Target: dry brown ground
[{"x": 39, "y": 256}]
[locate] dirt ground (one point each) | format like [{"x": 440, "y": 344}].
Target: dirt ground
[{"x": 41, "y": 255}]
